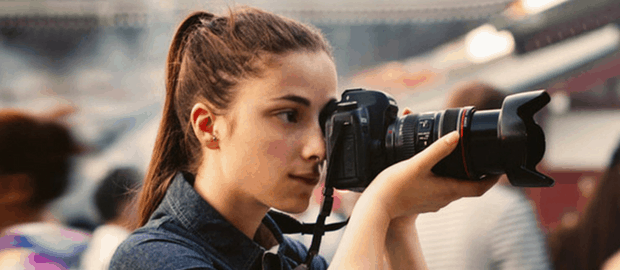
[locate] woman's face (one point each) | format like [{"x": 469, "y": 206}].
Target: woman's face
[{"x": 273, "y": 143}]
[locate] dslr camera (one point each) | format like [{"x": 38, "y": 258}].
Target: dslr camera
[{"x": 364, "y": 136}]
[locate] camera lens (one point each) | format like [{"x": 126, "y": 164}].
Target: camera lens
[
  {"x": 364, "y": 136},
  {"x": 476, "y": 153}
]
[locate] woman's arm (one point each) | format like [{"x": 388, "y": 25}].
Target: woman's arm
[
  {"x": 401, "y": 251},
  {"x": 402, "y": 245},
  {"x": 403, "y": 190},
  {"x": 363, "y": 243}
]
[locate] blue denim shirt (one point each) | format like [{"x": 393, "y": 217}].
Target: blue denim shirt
[{"x": 185, "y": 232}]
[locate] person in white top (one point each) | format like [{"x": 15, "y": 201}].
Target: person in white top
[
  {"x": 498, "y": 230},
  {"x": 113, "y": 201}
]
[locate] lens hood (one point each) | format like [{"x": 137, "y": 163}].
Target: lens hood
[{"x": 522, "y": 141}]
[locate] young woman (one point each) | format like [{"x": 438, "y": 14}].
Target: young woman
[{"x": 240, "y": 134}]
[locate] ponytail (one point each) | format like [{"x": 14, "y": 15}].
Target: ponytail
[{"x": 168, "y": 155}]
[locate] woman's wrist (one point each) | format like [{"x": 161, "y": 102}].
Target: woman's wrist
[
  {"x": 401, "y": 227},
  {"x": 376, "y": 196}
]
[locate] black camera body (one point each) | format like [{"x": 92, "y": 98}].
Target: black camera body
[{"x": 364, "y": 136}]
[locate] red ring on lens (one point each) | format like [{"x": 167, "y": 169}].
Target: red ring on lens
[{"x": 461, "y": 133}]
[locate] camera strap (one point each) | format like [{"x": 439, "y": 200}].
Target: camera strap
[
  {"x": 328, "y": 198},
  {"x": 290, "y": 225}
]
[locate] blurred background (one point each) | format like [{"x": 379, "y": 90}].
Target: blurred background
[{"x": 105, "y": 60}]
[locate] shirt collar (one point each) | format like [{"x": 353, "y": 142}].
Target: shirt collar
[{"x": 185, "y": 205}]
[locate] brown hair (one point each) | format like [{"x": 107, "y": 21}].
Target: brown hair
[
  {"x": 41, "y": 149},
  {"x": 208, "y": 57},
  {"x": 595, "y": 237},
  {"x": 480, "y": 95}
]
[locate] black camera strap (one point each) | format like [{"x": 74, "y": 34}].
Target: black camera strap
[
  {"x": 319, "y": 227},
  {"x": 290, "y": 225},
  {"x": 328, "y": 199}
]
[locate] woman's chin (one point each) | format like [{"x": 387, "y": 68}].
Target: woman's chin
[{"x": 296, "y": 207}]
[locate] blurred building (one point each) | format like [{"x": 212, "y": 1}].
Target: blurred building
[{"x": 106, "y": 59}]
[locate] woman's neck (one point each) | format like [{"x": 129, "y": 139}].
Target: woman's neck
[{"x": 243, "y": 212}]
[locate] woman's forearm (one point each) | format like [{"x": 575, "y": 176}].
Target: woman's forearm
[
  {"x": 363, "y": 244},
  {"x": 403, "y": 249}
]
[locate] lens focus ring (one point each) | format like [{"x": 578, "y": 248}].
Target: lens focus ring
[{"x": 405, "y": 137}]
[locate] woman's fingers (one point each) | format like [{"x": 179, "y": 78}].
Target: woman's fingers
[
  {"x": 460, "y": 188},
  {"x": 483, "y": 185},
  {"x": 436, "y": 151},
  {"x": 406, "y": 111},
  {"x": 470, "y": 188},
  {"x": 410, "y": 187}
]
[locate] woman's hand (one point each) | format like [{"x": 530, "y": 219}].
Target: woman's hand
[
  {"x": 382, "y": 222},
  {"x": 409, "y": 187}
]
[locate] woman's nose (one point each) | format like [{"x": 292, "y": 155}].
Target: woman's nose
[{"x": 314, "y": 149}]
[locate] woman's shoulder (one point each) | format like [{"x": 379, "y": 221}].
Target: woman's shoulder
[
  {"x": 297, "y": 251},
  {"x": 152, "y": 248},
  {"x": 294, "y": 248}
]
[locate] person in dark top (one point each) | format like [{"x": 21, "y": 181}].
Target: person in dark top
[
  {"x": 240, "y": 135},
  {"x": 113, "y": 199},
  {"x": 594, "y": 241},
  {"x": 36, "y": 156}
]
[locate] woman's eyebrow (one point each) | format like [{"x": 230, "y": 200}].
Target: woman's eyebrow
[{"x": 295, "y": 98}]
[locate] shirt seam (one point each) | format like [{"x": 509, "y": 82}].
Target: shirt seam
[{"x": 176, "y": 212}]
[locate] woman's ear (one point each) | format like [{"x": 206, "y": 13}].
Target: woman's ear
[{"x": 202, "y": 123}]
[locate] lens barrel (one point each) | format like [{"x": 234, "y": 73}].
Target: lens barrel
[
  {"x": 413, "y": 133},
  {"x": 492, "y": 142},
  {"x": 364, "y": 136}
]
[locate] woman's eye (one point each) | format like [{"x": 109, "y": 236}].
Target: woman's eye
[{"x": 288, "y": 116}]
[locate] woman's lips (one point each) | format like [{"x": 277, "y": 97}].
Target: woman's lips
[{"x": 310, "y": 179}]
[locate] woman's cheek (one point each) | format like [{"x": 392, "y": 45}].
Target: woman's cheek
[{"x": 278, "y": 150}]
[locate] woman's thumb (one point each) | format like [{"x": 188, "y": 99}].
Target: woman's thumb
[{"x": 438, "y": 150}]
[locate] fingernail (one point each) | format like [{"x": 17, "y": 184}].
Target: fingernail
[{"x": 452, "y": 138}]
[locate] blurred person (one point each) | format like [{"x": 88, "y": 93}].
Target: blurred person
[
  {"x": 240, "y": 134},
  {"x": 83, "y": 222},
  {"x": 35, "y": 162},
  {"x": 593, "y": 242},
  {"x": 480, "y": 95},
  {"x": 113, "y": 201},
  {"x": 498, "y": 230}
]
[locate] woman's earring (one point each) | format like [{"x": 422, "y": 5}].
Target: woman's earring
[
  {"x": 206, "y": 125},
  {"x": 213, "y": 144}
]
